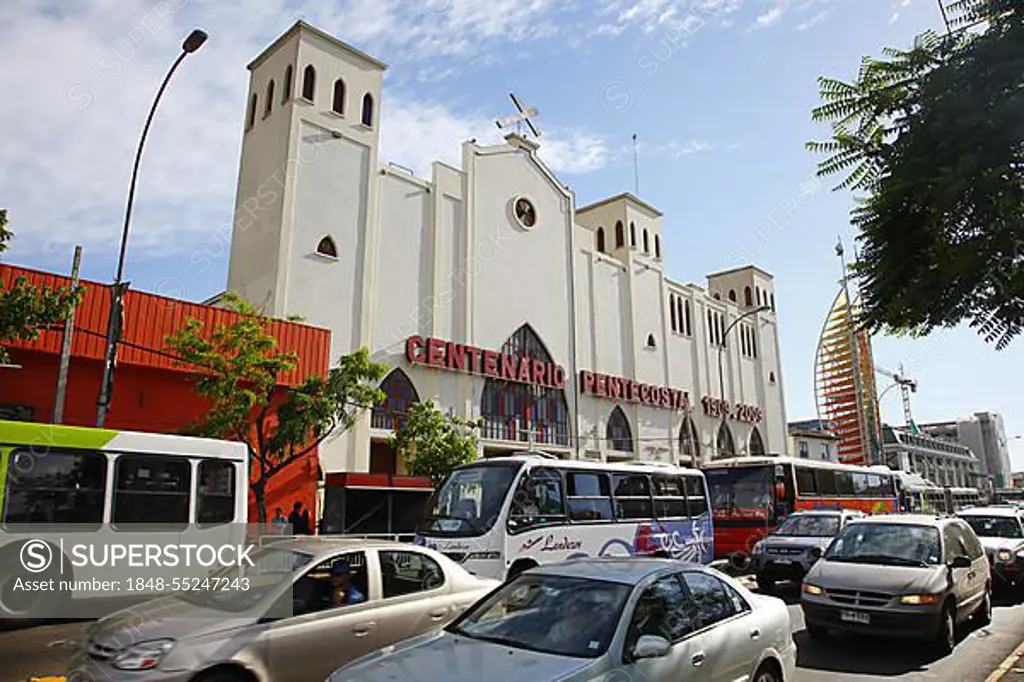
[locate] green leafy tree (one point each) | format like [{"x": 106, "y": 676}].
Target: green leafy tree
[
  {"x": 24, "y": 308},
  {"x": 931, "y": 140},
  {"x": 433, "y": 443},
  {"x": 240, "y": 367}
]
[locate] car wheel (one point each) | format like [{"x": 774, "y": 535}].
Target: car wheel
[
  {"x": 984, "y": 612},
  {"x": 765, "y": 583},
  {"x": 768, "y": 672},
  {"x": 225, "y": 674},
  {"x": 945, "y": 638},
  {"x": 815, "y": 631}
]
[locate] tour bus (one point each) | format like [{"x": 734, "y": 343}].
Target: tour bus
[
  {"x": 932, "y": 499},
  {"x": 101, "y": 486},
  {"x": 751, "y": 496},
  {"x": 502, "y": 515}
]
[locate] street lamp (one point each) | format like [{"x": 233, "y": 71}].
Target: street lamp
[
  {"x": 191, "y": 43},
  {"x": 725, "y": 335}
]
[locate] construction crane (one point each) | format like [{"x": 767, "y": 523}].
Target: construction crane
[{"x": 907, "y": 386}]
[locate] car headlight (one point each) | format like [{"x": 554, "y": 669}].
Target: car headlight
[
  {"x": 1020, "y": 553},
  {"x": 920, "y": 599},
  {"x": 811, "y": 589},
  {"x": 759, "y": 548},
  {"x": 144, "y": 655},
  {"x": 1005, "y": 555}
]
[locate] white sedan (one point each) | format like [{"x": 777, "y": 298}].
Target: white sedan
[{"x": 601, "y": 620}]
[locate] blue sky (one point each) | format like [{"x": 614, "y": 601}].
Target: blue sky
[{"x": 717, "y": 91}]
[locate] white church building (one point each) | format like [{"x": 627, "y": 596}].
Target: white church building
[{"x": 486, "y": 288}]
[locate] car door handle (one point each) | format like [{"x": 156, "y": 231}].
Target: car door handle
[
  {"x": 698, "y": 659},
  {"x": 755, "y": 633},
  {"x": 362, "y": 629},
  {"x": 438, "y": 615}
]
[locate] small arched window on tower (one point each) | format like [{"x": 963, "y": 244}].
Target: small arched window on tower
[
  {"x": 672, "y": 311},
  {"x": 286, "y": 92},
  {"x": 250, "y": 120},
  {"x": 748, "y": 297},
  {"x": 632, "y": 234},
  {"x": 309, "y": 83},
  {"x": 657, "y": 246},
  {"x": 773, "y": 301},
  {"x": 620, "y": 237},
  {"x": 327, "y": 248},
  {"x": 651, "y": 343},
  {"x": 732, "y": 295},
  {"x": 338, "y": 101},
  {"x": 647, "y": 243},
  {"x": 368, "y": 110},
  {"x": 600, "y": 239},
  {"x": 679, "y": 313},
  {"x": 758, "y": 290},
  {"x": 686, "y": 310},
  {"x": 270, "y": 99}
]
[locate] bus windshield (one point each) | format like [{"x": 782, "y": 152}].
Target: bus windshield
[
  {"x": 741, "y": 492},
  {"x": 470, "y": 500}
]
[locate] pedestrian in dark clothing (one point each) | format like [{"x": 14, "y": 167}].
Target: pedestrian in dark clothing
[
  {"x": 307, "y": 523},
  {"x": 298, "y": 521}
]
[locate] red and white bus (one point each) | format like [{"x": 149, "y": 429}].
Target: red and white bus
[{"x": 750, "y": 496}]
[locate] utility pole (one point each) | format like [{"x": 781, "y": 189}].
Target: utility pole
[{"x": 65, "y": 349}]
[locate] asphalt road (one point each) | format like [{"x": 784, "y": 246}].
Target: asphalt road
[{"x": 24, "y": 653}]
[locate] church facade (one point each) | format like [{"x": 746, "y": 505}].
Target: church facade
[{"x": 486, "y": 288}]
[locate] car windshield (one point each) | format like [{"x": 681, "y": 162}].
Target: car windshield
[
  {"x": 469, "y": 501},
  {"x": 224, "y": 589},
  {"x": 560, "y": 615},
  {"x": 994, "y": 526},
  {"x": 809, "y": 526},
  {"x": 898, "y": 544},
  {"x": 742, "y": 491}
]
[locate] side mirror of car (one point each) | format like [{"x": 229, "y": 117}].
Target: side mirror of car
[
  {"x": 651, "y": 646},
  {"x": 815, "y": 553},
  {"x": 960, "y": 561}
]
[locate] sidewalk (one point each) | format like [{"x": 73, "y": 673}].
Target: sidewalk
[{"x": 1011, "y": 669}]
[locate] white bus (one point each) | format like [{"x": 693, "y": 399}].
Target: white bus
[
  {"x": 503, "y": 515},
  {"x": 66, "y": 485}
]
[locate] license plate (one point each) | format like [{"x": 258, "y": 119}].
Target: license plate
[
  {"x": 782, "y": 561},
  {"x": 855, "y": 617}
]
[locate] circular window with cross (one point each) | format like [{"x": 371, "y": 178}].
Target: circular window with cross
[{"x": 525, "y": 213}]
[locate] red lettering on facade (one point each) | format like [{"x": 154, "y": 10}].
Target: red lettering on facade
[
  {"x": 524, "y": 370},
  {"x": 490, "y": 363},
  {"x": 587, "y": 381},
  {"x": 414, "y": 349},
  {"x": 474, "y": 359},
  {"x": 508, "y": 367},
  {"x": 538, "y": 371},
  {"x": 559, "y": 377},
  {"x": 435, "y": 352},
  {"x": 602, "y": 385},
  {"x": 614, "y": 388},
  {"x": 456, "y": 357},
  {"x": 645, "y": 393}
]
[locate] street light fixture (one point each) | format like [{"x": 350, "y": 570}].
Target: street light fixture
[
  {"x": 725, "y": 336},
  {"x": 191, "y": 43}
]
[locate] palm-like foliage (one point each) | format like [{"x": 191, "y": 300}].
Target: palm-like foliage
[{"x": 931, "y": 140}]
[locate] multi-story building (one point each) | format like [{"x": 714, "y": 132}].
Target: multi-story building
[
  {"x": 985, "y": 435},
  {"x": 942, "y": 461},
  {"x": 811, "y": 440},
  {"x": 486, "y": 288}
]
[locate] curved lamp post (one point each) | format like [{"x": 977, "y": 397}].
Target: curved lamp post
[
  {"x": 725, "y": 336},
  {"x": 191, "y": 43}
]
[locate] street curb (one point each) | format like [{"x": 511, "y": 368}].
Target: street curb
[{"x": 1007, "y": 664}]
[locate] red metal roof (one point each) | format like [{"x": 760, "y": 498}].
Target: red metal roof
[{"x": 149, "y": 318}]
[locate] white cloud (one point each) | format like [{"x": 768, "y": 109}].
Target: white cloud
[
  {"x": 655, "y": 15},
  {"x": 813, "y": 21},
  {"x": 894, "y": 18},
  {"x": 769, "y": 17},
  {"x": 69, "y": 136},
  {"x": 679, "y": 148}
]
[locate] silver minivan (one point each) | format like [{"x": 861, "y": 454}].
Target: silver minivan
[{"x": 899, "y": 575}]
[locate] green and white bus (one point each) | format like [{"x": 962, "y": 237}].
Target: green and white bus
[{"x": 87, "y": 482}]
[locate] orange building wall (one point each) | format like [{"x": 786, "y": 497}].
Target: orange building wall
[{"x": 152, "y": 392}]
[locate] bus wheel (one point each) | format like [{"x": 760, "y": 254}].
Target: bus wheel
[
  {"x": 20, "y": 607},
  {"x": 518, "y": 567}
]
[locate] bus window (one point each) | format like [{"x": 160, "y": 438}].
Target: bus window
[
  {"x": 216, "y": 500},
  {"x": 56, "y": 487},
  {"x": 805, "y": 481},
  {"x": 844, "y": 483},
  {"x": 589, "y": 496},
  {"x": 862, "y": 484},
  {"x": 669, "y": 496},
  {"x": 538, "y": 499},
  {"x": 151, "y": 489},
  {"x": 826, "y": 482},
  {"x": 632, "y": 496},
  {"x": 741, "y": 491},
  {"x": 697, "y": 503}
]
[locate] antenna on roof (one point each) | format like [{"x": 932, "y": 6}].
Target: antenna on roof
[
  {"x": 525, "y": 114},
  {"x": 636, "y": 169}
]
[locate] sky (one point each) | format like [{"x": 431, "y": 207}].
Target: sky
[{"x": 718, "y": 93}]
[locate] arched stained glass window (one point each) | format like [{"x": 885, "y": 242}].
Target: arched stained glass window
[
  {"x": 511, "y": 410},
  {"x": 399, "y": 394},
  {"x": 725, "y": 444},
  {"x": 618, "y": 433},
  {"x": 756, "y": 448}
]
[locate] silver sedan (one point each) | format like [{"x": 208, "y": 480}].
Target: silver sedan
[
  {"x": 601, "y": 620},
  {"x": 307, "y": 607}
]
